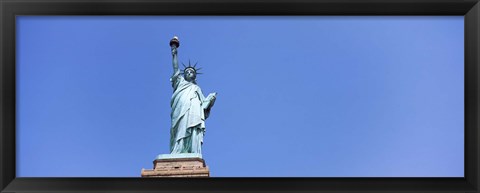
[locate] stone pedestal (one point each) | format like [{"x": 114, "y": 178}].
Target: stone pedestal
[{"x": 183, "y": 166}]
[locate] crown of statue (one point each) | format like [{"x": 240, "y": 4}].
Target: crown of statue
[{"x": 194, "y": 68}]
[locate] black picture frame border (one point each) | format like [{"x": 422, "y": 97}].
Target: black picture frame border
[{"x": 9, "y": 9}]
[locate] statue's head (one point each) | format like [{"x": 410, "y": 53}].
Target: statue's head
[{"x": 190, "y": 72}]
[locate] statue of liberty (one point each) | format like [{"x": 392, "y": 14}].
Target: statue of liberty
[{"x": 190, "y": 108}]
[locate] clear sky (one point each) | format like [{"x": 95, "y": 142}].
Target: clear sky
[{"x": 325, "y": 96}]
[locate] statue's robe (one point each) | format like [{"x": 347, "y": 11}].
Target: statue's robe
[{"x": 188, "y": 116}]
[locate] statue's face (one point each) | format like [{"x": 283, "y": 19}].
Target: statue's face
[{"x": 190, "y": 75}]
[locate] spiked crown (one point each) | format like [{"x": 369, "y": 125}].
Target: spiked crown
[{"x": 194, "y": 68}]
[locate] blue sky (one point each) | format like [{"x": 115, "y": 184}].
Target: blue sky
[{"x": 325, "y": 96}]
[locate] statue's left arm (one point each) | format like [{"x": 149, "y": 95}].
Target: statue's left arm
[{"x": 208, "y": 102}]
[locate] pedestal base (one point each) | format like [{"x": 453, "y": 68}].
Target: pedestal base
[{"x": 178, "y": 167}]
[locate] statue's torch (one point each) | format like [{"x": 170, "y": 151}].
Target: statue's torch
[{"x": 174, "y": 43}]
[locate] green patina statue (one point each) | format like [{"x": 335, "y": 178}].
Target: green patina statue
[{"x": 190, "y": 108}]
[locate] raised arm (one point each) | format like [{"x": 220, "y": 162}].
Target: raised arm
[
  {"x": 174, "y": 44},
  {"x": 175, "y": 60}
]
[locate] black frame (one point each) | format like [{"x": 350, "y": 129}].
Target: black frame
[{"x": 470, "y": 9}]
